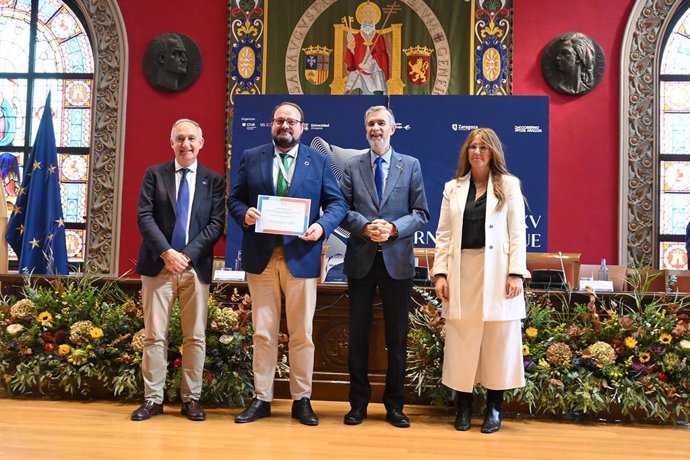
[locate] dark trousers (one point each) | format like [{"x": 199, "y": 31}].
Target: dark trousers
[{"x": 395, "y": 295}]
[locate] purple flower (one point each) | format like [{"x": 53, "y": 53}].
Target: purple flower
[
  {"x": 657, "y": 349},
  {"x": 526, "y": 362},
  {"x": 637, "y": 366}
]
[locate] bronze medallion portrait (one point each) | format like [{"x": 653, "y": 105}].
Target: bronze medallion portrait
[
  {"x": 172, "y": 62},
  {"x": 573, "y": 63}
]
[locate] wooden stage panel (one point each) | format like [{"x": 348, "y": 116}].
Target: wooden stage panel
[{"x": 56, "y": 430}]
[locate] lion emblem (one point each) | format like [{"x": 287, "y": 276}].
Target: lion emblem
[{"x": 418, "y": 70}]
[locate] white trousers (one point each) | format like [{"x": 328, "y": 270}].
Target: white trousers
[
  {"x": 478, "y": 351},
  {"x": 300, "y": 304}
]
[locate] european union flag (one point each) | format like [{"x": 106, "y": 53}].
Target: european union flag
[{"x": 36, "y": 230}]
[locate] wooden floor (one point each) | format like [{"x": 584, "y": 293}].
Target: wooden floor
[{"x": 36, "y": 429}]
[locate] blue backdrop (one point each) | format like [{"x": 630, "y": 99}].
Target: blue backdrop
[{"x": 430, "y": 128}]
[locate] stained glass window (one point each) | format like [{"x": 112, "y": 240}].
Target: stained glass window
[{"x": 55, "y": 57}]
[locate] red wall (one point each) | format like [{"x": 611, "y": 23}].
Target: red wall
[
  {"x": 151, "y": 113},
  {"x": 583, "y": 146},
  {"x": 583, "y": 184}
]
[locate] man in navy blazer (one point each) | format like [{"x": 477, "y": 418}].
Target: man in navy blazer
[
  {"x": 385, "y": 193},
  {"x": 181, "y": 216},
  {"x": 281, "y": 264}
]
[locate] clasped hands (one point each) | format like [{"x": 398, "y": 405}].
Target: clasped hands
[
  {"x": 175, "y": 261},
  {"x": 313, "y": 233},
  {"x": 379, "y": 230}
]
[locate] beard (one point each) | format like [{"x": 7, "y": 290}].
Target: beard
[
  {"x": 285, "y": 140},
  {"x": 378, "y": 143}
]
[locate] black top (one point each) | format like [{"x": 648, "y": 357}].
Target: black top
[{"x": 473, "y": 236}]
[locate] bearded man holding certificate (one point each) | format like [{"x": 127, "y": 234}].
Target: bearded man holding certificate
[{"x": 281, "y": 261}]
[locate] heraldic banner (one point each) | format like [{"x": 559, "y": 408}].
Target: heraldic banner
[{"x": 369, "y": 47}]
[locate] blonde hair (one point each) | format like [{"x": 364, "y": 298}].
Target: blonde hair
[{"x": 497, "y": 161}]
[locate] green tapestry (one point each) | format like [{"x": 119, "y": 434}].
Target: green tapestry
[
  {"x": 369, "y": 47},
  {"x": 352, "y": 47}
]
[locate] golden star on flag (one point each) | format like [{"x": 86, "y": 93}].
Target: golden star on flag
[
  {"x": 60, "y": 222},
  {"x": 52, "y": 169},
  {"x": 34, "y": 243},
  {"x": 17, "y": 209},
  {"x": 50, "y": 237},
  {"x": 21, "y": 229},
  {"x": 37, "y": 165},
  {"x": 21, "y": 192}
]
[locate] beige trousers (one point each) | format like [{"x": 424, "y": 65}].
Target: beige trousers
[
  {"x": 266, "y": 290},
  {"x": 478, "y": 351},
  {"x": 158, "y": 296}
]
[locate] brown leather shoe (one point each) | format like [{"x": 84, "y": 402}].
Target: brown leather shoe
[
  {"x": 147, "y": 410},
  {"x": 193, "y": 410}
]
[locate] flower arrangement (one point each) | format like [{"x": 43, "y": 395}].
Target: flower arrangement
[
  {"x": 425, "y": 349},
  {"x": 604, "y": 358},
  {"x": 83, "y": 337}
]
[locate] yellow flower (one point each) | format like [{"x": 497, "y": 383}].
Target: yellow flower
[
  {"x": 525, "y": 350},
  {"x": 63, "y": 350},
  {"x": 630, "y": 342},
  {"x": 543, "y": 364},
  {"x": 629, "y": 361},
  {"x": 181, "y": 346},
  {"x": 45, "y": 318},
  {"x": 645, "y": 357},
  {"x": 531, "y": 332},
  {"x": 96, "y": 333},
  {"x": 665, "y": 338}
]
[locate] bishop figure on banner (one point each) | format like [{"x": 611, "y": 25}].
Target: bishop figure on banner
[{"x": 36, "y": 230}]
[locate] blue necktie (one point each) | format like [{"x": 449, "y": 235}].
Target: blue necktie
[
  {"x": 378, "y": 176},
  {"x": 179, "y": 238}
]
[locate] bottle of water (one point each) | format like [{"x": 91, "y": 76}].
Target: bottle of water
[
  {"x": 603, "y": 271},
  {"x": 238, "y": 261}
]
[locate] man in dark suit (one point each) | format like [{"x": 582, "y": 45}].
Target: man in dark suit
[
  {"x": 181, "y": 216},
  {"x": 385, "y": 192},
  {"x": 283, "y": 264}
]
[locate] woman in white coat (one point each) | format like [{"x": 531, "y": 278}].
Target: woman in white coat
[{"x": 479, "y": 267}]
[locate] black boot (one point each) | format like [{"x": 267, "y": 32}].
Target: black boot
[
  {"x": 463, "y": 411},
  {"x": 492, "y": 418}
]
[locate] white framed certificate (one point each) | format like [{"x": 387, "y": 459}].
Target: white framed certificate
[{"x": 282, "y": 215}]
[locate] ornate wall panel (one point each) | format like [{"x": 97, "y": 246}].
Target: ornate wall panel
[
  {"x": 639, "y": 143},
  {"x": 110, "y": 53}
]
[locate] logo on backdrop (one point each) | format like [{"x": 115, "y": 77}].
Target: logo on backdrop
[
  {"x": 527, "y": 129},
  {"x": 426, "y": 131}
]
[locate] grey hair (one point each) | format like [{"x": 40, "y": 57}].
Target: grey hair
[
  {"x": 376, "y": 108},
  {"x": 185, "y": 120}
]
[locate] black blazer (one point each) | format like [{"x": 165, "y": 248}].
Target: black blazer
[{"x": 156, "y": 219}]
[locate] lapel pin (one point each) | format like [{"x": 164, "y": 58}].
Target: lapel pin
[
  {"x": 203, "y": 182},
  {"x": 306, "y": 163},
  {"x": 399, "y": 168}
]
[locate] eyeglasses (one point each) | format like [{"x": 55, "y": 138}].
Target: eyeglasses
[
  {"x": 481, "y": 148},
  {"x": 281, "y": 121}
]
